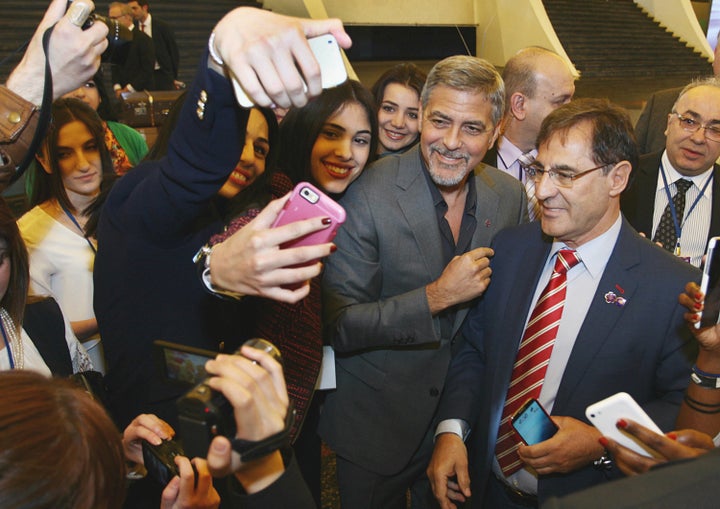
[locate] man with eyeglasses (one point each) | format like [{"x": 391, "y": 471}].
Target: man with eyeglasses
[
  {"x": 410, "y": 258},
  {"x": 136, "y": 68},
  {"x": 580, "y": 308},
  {"x": 650, "y": 126},
  {"x": 675, "y": 193}
]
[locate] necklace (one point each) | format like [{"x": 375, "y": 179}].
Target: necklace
[{"x": 13, "y": 344}]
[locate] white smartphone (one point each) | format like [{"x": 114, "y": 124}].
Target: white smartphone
[
  {"x": 332, "y": 68},
  {"x": 605, "y": 414},
  {"x": 710, "y": 285}
]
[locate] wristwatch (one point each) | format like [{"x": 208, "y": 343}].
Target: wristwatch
[
  {"x": 703, "y": 380},
  {"x": 202, "y": 262}
]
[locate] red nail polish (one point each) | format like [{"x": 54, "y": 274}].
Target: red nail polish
[
  {"x": 603, "y": 441},
  {"x": 697, "y": 305},
  {"x": 621, "y": 423},
  {"x": 672, "y": 435},
  {"x": 326, "y": 220},
  {"x": 698, "y": 296},
  {"x": 333, "y": 248}
]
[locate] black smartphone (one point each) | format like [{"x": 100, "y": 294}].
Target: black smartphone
[
  {"x": 533, "y": 423},
  {"x": 159, "y": 460},
  {"x": 710, "y": 285}
]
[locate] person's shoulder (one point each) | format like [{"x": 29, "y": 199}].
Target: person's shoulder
[
  {"x": 117, "y": 127},
  {"x": 33, "y": 217},
  {"x": 656, "y": 261},
  {"x": 491, "y": 176}
]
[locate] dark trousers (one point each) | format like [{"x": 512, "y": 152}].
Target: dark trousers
[
  {"x": 362, "y": 489},
  {"x": 497, "y": 497}
]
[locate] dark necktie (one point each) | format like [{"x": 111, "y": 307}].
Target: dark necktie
[
  {"x": 533, "y": 357},
  {"x": 666, "y": 233}
]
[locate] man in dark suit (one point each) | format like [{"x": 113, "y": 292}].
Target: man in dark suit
[
  {"x": 620, "y": 327},
  {"x": 650, "y": 126},
  {"x": 409, "y": 262},
  {"x": 691, "y": 149},
  {"x": 537, "y": 81},
  {"x": 134, "y": 70},
  {"x": 166, "y": 50}
]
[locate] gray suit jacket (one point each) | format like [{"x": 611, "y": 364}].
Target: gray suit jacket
[{"x": 390, "y": 358}]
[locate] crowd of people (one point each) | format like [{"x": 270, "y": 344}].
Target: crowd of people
[{"x": 503, "y": 241}]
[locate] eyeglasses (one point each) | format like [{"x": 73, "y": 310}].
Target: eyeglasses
[
  {"x": 712, "y": 132},
  {"x": 560, "y": 178}
]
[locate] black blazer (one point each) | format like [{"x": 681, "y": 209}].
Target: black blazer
[
  {"x": 166, "y": 52},
  {"x": 136, "y": 66},
  {"x": 44, "y": 323},
  {"x": 638, "y": 200},
  {"x": 650, "y": 127}
]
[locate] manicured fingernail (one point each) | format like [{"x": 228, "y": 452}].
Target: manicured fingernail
[
  {"x": 696, "y": 317},
  {"x": 333, "y": 248},
  {"x": 603, "y": 441},
  {"x": 672, "y": 435},
  {"x": 219, "y": 447},
  {"x": 326, "y": 220},
  {"x": 697, "y": 305},
  {"x": 698, "y": 296},
  {"x": 622, "y": 423}
]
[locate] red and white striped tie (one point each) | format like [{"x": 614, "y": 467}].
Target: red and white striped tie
[{"x": 533, "y": 357}]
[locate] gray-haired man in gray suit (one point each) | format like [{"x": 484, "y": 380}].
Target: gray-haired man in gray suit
[{"x": 409, "y": 263}]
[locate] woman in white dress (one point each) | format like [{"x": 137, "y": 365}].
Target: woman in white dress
[
  {"x": 35, "y": 336},
  {"x": 73, "y": 159}
]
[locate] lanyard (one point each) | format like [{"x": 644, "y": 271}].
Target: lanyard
[
  {"x": 7, "y": 345},
  {"x": 75, "y": 222},
  {"x": 679, "y": 226}
]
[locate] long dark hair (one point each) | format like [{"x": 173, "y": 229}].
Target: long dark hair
[
  {"x": 50, "y": 185},
  {"x": 256, "y": 193},
  {"x": 301, "y": 127},
  {"x": 14, "y": 299},
  {"x": 407, "y": 74}
]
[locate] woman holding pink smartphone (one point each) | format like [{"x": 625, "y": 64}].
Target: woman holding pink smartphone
[{"x": 327, "y": 143}]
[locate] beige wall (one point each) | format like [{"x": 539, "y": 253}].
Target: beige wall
[{"x": 680, "y": 16}]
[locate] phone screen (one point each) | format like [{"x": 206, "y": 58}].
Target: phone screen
[
  {"x": 533, "y": 424},
  {"x": 711, "y": 284}
]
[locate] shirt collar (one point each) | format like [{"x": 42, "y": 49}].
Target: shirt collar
[
  {"x": 672, "y": 174},
  {"x": 509, "y": 153},
  {"x": 595, "y": 253}
]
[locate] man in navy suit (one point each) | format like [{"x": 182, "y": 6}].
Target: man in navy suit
[
  {"x": 691, "y": 149},
  {"x": 166, "y": 49},
  {"x": 621, "y": 327}
]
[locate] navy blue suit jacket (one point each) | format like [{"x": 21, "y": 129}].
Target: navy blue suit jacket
[
  {"x": 642, "y": 348},
  {"x": 146, "y": 284}
]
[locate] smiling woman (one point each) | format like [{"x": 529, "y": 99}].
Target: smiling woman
[
  {"x": 397, "y": 93},
  {"x": 330, "y": 140},
  {"x": 73, "y": 160}
]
